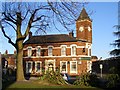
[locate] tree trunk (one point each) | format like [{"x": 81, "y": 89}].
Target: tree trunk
[{"x": 20, "y": 72}]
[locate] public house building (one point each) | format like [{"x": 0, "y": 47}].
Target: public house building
[{"x": 62, "y": 52}]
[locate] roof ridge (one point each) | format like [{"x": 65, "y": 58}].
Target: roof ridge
[{"x": 49, "y": 35}]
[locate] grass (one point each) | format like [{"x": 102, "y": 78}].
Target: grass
[{"x": 35, "y": 84}]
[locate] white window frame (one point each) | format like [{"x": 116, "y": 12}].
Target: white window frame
[
  {"x": 38, "y": 54},
  {"x": 47, "y": 64},
  {"x": 75, "y": 51},
  {"x": 29, "y": 52},
  {"x": 36, "y": 66},
  {"x": 71, "y": 67},
  {"x": 63, "y": 50},
  {"x": 89, "y": 66},
  {"x": 50, "y": 53},
  {"x": 29, "y": 71},
  {"x": 61, "y": 66}
]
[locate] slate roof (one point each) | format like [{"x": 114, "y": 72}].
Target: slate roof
[
  {"x": 42, "y": 39},
  {"x": 83, "y": 15}
]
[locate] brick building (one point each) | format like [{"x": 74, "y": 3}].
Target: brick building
[
  {"x": 9, "y": 60},
  {"x": 67, "y": 53}
]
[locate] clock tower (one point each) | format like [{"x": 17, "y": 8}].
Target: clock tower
[{"x": 84, "y": 27}]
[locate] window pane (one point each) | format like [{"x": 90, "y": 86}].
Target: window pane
[
  {"x": 63, "y": 50},
  {"x": 73, "y": 66},
  {"x": 29, "y": 67},
  {"x": 38, "y": 51},
  {"x": 38, "y": 67},
  {"x": 64, "y": 67},
  {"x": 29, "y": 51},
  {"x": 50, "y": 51},
  {"x": 73, "y": 50}
]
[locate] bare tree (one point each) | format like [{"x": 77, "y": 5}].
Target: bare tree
[{"x": 22, "y": 17}]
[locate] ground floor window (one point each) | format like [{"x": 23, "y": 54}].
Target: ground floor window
[
  {"x": 29, "y": 65},
  {"x": 63, "y": 66},
  {"x": 73, "y": 67},
  {"x": 38, "y": 67},
  {"x": 50, "y": 65}
]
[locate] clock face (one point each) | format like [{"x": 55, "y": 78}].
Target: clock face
[
  {"x": 81, "y": 29},
  {"x": 89, "y": 29}
]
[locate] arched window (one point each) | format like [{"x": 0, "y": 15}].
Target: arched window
[
  {"x": 73, "y": 50},
  {"x": 50, "y": 50},
  {"x": 38, "y": 51},
  {"x": 29, "y": 51},
  {"x": 63, "y": 50}
]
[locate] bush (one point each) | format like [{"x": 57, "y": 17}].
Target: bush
[
  {"x": 94, "y": 81},
  {"x": 87, "y": 79},
  {"x": 112, "y": 79},
  {"x": 54, "y": 78},
  {"x": 82, "y": 80}
]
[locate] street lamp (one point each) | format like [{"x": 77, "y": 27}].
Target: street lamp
[{"x": 101, "y": 67}]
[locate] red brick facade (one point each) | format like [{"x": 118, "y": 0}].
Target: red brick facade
[{"x": 69, "y": 54}]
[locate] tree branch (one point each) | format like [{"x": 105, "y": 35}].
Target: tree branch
[
  {"x": 9, "y": 39},
  {"x": 10, "y": 25},
  {"x": 9, "y": 19}
]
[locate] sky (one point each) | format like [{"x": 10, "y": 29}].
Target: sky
[{"x": 104, "y": 17}]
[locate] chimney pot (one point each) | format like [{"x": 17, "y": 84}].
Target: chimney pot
[
  {"x": 30, "y": 35},
  {"x": 71, "y": 34}
]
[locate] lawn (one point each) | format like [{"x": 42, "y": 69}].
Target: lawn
[{"x": 35, "y": 84}]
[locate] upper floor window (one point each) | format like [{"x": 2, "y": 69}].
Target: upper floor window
[
  {"x": 50, "y": 49},
  {"x": 38, "y": 51},
  {"x": 29, "y": 51},
  {"x": 63, "y": 50},
  {"x": 73, "y": 50}
]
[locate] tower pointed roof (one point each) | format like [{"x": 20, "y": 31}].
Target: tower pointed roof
[{"x": 83, "y": 15}]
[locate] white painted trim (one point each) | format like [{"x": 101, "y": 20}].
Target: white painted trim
[
  {"x": 71, "y": 67},
  {"x": 61, "y": 66},
  {"x": 54, "y": 47},
  {"x": 57, "y": 56}
]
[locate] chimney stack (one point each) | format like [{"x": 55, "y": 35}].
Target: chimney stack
[
  {"x": 30, "y": 34},
  {"x": 6, "y": 52},
  {"x": 71, "y": 34},
  {"x": 15, "y": 52}
]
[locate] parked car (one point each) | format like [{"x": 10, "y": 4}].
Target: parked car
[{"x": 68, "y": 78}]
